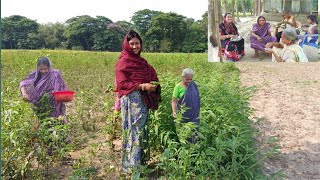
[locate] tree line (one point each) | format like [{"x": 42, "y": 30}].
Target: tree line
[{"x": 161, "y": 32}]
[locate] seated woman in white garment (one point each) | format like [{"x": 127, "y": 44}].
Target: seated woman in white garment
[{"x": 287, "y": 50}]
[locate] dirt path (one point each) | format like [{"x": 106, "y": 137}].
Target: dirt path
[{"x": 288, "y": 101}]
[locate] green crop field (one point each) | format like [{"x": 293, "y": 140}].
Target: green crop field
[{"x": 226, "y": 149}]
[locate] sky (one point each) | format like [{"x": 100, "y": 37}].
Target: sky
[{"x": 44, "y": 11}]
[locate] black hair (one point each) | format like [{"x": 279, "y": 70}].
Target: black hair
[
  {"x": 132, "y": 34},
  {"x": 313, "y": 18},
  {"x": 225, "y": 15},
  {"x": 286, "y": 12},
  {"x": 43, "y": 61},
  {"x": 259, "y": 18}
]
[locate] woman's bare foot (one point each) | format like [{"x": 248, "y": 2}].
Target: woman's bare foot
[
  {"x": 256, "y": 56},
  {"x": 269, "y": 55}
]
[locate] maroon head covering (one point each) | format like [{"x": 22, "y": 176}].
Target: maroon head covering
[{"x": 132, "y": 70}]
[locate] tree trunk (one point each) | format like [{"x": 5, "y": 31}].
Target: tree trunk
[
  {"x": 220, "y": 10},
  {"x": 263, "y": 6},
  {"x": 232, "y": 8},
  {"x": 225, "y": 6},
  {"x": 237, "y": 11},
  {"x": 210, "y": 28},
  {"x": 213, "y": 29},
  {"x": 243, "y": 8},
  {"x": 283, "y": 5},
  {"x": 255, "y": 8},
  {"x": 311, "y": 6},
  {"x": 216, "y": 25},
  {"x": 259, "y": 8}
]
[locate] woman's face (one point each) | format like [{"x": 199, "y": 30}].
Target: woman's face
[
  {"x": 309, "y": 21},
  {"x": 43, "y": 69},
  {"x": 262, "y": 21},
  {"x": 229, "y": 18},
  {"x": 135, "y": 45},
  {"x": 284, "y": 40},
  {"x": 187, "y": 79},
  {"x": 286, "y": 16}
]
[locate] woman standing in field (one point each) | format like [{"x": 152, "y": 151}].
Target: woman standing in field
[
  {"x": 133, "y": 78},
  {"x": 38, "y": 87},
  {"x": 261, "y": 35},
  {"x": 289, "y": 51},
  {"x": 232, "y": 45},
  {"x": 186, "y": 94}
]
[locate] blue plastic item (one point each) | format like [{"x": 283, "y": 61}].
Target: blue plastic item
[{"x": 305, "y": 40}]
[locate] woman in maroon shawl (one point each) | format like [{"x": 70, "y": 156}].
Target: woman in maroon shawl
[
  {"x": 38, "y": 87},
  {"x": 261, "y": 35},
  {"x": 232, "y": 44},
  {"x": 137, "y": 94}
]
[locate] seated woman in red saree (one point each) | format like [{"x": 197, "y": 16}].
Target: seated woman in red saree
[
  {"x": 261, "y": 35},
  {"x": 233, "y": 49}
]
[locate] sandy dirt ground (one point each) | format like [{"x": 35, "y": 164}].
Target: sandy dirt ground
[
  {"x": 288, "y": 102},
  {"x": 244, "y": 27}
]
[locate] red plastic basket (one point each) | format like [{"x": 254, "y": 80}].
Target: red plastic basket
[{"x": 63, "y": 96}]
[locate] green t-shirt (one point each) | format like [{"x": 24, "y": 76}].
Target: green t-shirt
[{"x": 178, "y": 91}]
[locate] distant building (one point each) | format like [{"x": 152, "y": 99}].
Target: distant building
[{"x": 296, "y": 6}]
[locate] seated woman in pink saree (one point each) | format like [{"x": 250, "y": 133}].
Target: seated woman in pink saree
[{"x": 261, "y": 35}]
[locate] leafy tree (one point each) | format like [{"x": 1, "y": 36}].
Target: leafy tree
[
  {"x": 19, "y": 32},
  {"x": 80, "y": 31},
  {"x": 142, "y": 20},
  {"x": 102, "y": 22},
  {"x": 110, "y": 39},
  {"x": 196, "y": 40},
  {"x": 51, "y": 35},
  {"x": 125, "y": 26},
  {"x": 167, "y": 27}
]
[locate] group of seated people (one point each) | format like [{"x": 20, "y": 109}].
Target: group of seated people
[{"x": 286, "y": 42}]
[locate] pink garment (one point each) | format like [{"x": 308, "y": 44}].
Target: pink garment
[{"x": 117, "y": 106}]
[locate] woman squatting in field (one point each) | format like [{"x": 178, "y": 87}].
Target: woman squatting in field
[{"x": 38, "y": 88}]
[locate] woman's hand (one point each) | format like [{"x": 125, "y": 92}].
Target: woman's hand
[
  {"x": 259, "y": 39},
  {"x": 25, "y": 97},
  {"x": 24, "y": 93},
  {"x": 174, "y": 114},
  {"x": 149, "y": 87},
  {"x": 233, "y": 36},
  {"x": 174, "y": 103},
  {"x": 269, "y": 45},
  {"x": 268, "y": 50}
]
